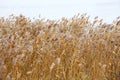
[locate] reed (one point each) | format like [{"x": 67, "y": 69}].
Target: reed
[{"x": 65, "y": 49}]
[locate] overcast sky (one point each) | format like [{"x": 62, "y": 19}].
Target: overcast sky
[
  {"x": 33, "y": 3},
  {"x": 55, "y": 9}
]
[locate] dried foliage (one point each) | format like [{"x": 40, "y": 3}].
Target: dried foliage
[{"x": 66, "y": 49}]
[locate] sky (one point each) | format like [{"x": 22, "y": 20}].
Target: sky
[
  {"x": 55, "y": 9},
  {"x": 38, "y": 3}
]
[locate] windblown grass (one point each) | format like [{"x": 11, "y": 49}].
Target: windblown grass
[{"x": 66, "y": 49}]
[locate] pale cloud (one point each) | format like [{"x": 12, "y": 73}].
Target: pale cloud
[
  {"x": 25, "y": 3},
  {"x": 33, "y": 3}
]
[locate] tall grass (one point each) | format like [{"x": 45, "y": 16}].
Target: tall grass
[{"x": 65, "y": 49}]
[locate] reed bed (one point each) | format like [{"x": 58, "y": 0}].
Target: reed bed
[{"x": 65, "y": 49}]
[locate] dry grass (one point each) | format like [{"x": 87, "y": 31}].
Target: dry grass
[{"x": 67, "y": 49}]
